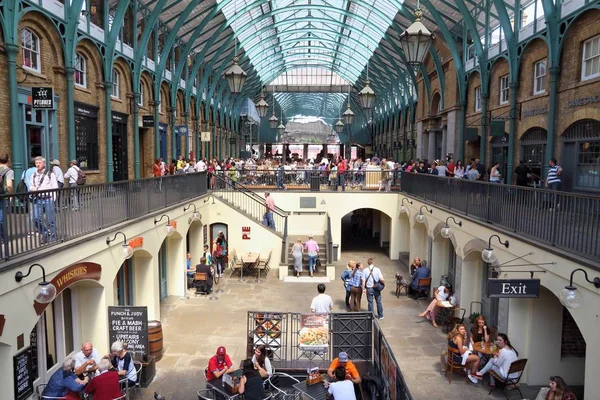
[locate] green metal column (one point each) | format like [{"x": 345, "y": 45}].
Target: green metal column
[
  {"x": 156, "y": 124},
  {"x": 108, "y": 121},
  {"x": 413, "y": 112},
  {"x": 69, "y": 73},
  {"x": 136, "y": 135},
  {"x": 512, "y": 122},
  {"x": 484, "y": 125},
  {"x": 461, "y": 130},
  {"x": 17, "y": 148},
  {"x": 552, "y": 107}
]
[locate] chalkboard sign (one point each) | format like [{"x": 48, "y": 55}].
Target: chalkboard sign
[
  {"x": 23, "y": 377},
  {"x": 129, "y": 325}
]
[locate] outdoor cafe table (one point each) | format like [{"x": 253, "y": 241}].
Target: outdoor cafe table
[
  {"x": 217, "y": 386},
  {"x": 249, "y": 260},
  {"x": 487, "y": 352},
  {"x": 315, "y": 391}
]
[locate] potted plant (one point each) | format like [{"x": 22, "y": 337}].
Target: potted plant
[{"x": 473, "y": 317}]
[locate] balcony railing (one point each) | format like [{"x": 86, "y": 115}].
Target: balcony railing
[
  {"x": 30, "y": 221},
  {"x": 566, "y": 221}
]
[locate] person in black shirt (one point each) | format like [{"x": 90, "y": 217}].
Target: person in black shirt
[
  {"x": 204, "y": 286},
  {"x": 251, "y": 385},
  {"x": 521, "y": 173},
  {"x": 481, "y": 169}
]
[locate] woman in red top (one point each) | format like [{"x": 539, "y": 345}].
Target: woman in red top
[
  {"x": 156, "y": 172},
  {"x": 559, "y": 390}
]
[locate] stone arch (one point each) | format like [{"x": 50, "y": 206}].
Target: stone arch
[
  {"x": 474, "y": 245},
  {"x": 146, "y": 83},
  {"x": 571, "y": 29},
  {"x": 437, "y": 231},
  {"x": 436, "y": 102},
  {"x": 50, "y": 43},
  {"x": 165, "y": 99},
  {"x": 180, "y": 107}
]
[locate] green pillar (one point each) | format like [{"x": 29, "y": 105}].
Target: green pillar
[
  {"x": 174, "y": 137},
  {"x": 136, "y": 135},
  {"x": 187, "y": 141},
  {"x": 157, "y": 129},
  {"x": 484, "y": 125},
  {"x": 461, "y": 131},
  {"x": 552, "y": 108},
  {"x": 512, "y": 122},
  {"x": 412, "y": 132},
  {"x": 69, "y": 73},
  {"x": 17, "y": 148},
  {"x": 108, "y": 121}
]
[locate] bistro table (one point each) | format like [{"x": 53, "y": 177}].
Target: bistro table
[
  {"x": 315, "y": 391},
  {"x": 219, "y": 388},
  {"x": 249, "y": 260},
  {"x": 485, "y": 352}
]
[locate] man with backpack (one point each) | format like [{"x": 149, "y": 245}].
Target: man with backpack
[
  {"x": 7, "y": 177},
  {"x": 43, "y": 203},
  {"x": 76, "y": 178}
]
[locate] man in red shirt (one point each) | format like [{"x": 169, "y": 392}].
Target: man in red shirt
[
  {"x": 450, "y": 167},
  {"x": 341, "y": 174},
  {"x": 219, "y": 365},
  {"x": 105, "y": 385}
]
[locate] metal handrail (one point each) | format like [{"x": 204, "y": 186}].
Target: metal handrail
[
  {"x": 35, "y": 220},
  {"x": 329, "y": 241},
  {"x": 567, "y": 221}
]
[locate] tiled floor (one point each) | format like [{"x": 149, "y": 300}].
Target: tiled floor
[{"x": 193, "y": 328}]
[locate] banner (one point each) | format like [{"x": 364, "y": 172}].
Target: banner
[{"x": 314, "y": 332}]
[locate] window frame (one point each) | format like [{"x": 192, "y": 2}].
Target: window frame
[
  {"x": 115, "y": 78},
  {"x": 80, "y": 61},
  {"x": 36, "y": 50},
  {"x": 504, "y": 90},
  {"x": 478, "y": 98},
  {"x": 541, "y": 78},
  {"x": 583, "y": 59},
  {"x": 141, "y": 97}
]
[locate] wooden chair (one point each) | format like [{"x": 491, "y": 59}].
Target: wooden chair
[
  {"x": 236, "y": 265},
  {"x": 517, "y": 367},
  {"x": 199, "y": 277},
  {"x": 423, "y": 282},
  {"x": 452, "y": 365},
  {"x": 401, "y": 284},
  {"x": 454, "y": 319},
  {"x": 263, "y": 264}
]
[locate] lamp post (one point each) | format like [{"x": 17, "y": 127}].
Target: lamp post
[
  {"x": 488, "y": 254},
  {"x": 262, "y": 106},
  {"x": 45, "y": 291},
  {"x": 570, "y": 297}
]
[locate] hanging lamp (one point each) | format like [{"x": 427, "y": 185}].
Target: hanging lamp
[
  {"x": 235, "y": 75},
  {"x": 367, "y": 95},
  {"x": 416, "y": 39}
]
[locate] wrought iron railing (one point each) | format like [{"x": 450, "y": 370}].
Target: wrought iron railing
[
  {"x": 35, "y": 220},
  {"x": 567, "y": 221},
  {"x": 315, "y": 179}
]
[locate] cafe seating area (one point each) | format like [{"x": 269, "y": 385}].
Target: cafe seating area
[{"x": 249, "y": 264}]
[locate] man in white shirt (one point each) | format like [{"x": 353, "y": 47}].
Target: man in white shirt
[
  {"x": 321, "y": 303},
  {"x": 342, "y": 389},
  {"x": 87, "y": 359},
  {"x": 373, "y": 275},
  {"x": 55, "y": 164},
  {"x": 72, "y": 174},
  {"x": 201, "y": 165},
  {"x": 43, "y": 203}
]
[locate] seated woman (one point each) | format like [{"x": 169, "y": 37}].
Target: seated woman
[
  {"x": 457, "y": 340},
  {"x": 501, "y": 361},
  {"x": 64, "y": 383},
  {"x": 261, "y": 362},
  {"x": 122, "y": 362},
  {"x": 479, "y": 332},
  {"x": 442, "y": 293},
  {"x": 250, "y": 383},
  {"x": 558, "y": 390}
]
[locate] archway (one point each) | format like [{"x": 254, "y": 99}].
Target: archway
[
  {"x": 403, "y": 236},
  {"x": 171, "y": 263},
  {"x": 471, "y": 277},
  {"x": 419, "y": 241},
  {"x": 581, "y": 146},
  {"x": 365, "y": 228}
]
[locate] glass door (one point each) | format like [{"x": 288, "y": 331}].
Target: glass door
[
  {"x": 162, "y": 271},
  {"x": 119, "y": 143}
]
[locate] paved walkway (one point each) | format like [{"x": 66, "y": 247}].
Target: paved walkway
[{"x": 195, "y": 327}]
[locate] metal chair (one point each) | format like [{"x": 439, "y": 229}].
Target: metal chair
[
  {"x": 501, "y": 383},
  {"x": 206, "y": 394},
  {"x": 453, "y": 319},
  {"x": 263, "y": 264},
  {"x": 138, "y": 371},
  {"x": 123, "y": 397},
  {"x": 423, "y": 294},
  {"x": 39, "y": 389}
]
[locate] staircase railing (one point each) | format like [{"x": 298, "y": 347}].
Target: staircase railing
[
  {"x": 249, "y": 203},
  {"x": 329, "y": 239}
]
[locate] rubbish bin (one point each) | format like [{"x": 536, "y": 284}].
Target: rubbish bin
[
  {"x": 335, "y": 251},
  {"x": 315, "y": 184},
  {"x": 206, "y": 394}
]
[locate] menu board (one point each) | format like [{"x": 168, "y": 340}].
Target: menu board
[
  {"x": 129, "y": 325},
  {"x": 23, "y": 377},
  {"x": 314, "y": 332}
]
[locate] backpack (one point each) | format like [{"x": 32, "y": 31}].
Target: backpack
[
  {"x": 2, "y": 187},
  {"x": 219, "y": 252},
  {"x": 223, "y": 250},
  {"x": 81, "y": 178}
]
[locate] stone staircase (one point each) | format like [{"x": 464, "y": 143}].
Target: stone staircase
[{"x": 322, "y": 273}]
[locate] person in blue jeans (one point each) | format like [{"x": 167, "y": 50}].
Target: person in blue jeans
[
  {"x": 373, "y": 275},
  {"x": 268, "y": 216}
]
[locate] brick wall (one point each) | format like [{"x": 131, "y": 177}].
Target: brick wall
[{"x": 573, "y": 343}]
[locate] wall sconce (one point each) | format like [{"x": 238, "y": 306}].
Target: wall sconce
[
  {"x": 402, "y": 206},
  {"x": 195, "y": 215},
  {"x": 168, "y": 227},
  {"x": 488, "y": 254},
  {"x": 210, "y": 197},
  {"x": 446, "y": 231},
  {"x": 45, "y": 291},
  {"x": 570, "y": 297},
  {"x": 127, "y": 249},
  {"x": 420, "y": 216}
]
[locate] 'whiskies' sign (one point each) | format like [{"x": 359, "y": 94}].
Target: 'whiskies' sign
[{"x": 514, "y": 288}]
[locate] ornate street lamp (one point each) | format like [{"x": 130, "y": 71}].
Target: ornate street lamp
[
  {"x": 262, "y": 106},
  {"x": 367, "y": 95},
  {"x": 415, "y": 40},
  {"x": 339, "y": 126},
  {"x": 235, "y": 75},
  {"x": 348, "y": 115},
  {"x": 273, "y": 121}
]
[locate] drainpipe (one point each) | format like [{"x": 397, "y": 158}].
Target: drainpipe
[
  {"x": 136, "y": 136},
  {"x": 484, "y": 124},
  {"x": 18, "y": 151}
]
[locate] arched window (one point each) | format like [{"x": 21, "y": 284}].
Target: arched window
[
  {"x": 141, "y": 98},
  {"x": 115, "y": 83},
  {"x": 80, "y": 70},
  {"x": 30, "y": 44}
]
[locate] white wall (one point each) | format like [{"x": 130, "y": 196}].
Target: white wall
[{"x": 439, "y": 259}]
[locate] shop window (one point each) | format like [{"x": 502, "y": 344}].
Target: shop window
[
  {"x": 478, "y": 98},
  {"x": 125, "y": 284},
  {"x": 67, "y": 305},
  {"x": 504, "y": 89},
  {"x": 539, "y": 77},
  {"x": 80, "y": 71},
  {"x": 591, "y": 58},
  {"x": 115, "y": 84},
  {"x": 30, "y": 45},
  {"x": 50, "y": 335},
  {"x": 86, "y": 141},
  {"x": 588, "y": 165}
]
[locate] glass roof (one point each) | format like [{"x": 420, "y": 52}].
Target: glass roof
[
  {"x": 309, "y": 76},
  {"x": 337, "y": 35}
]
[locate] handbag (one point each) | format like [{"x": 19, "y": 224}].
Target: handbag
[
  {"x": 379, "y": 286},
  {"x": 317, "y": 264}
]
